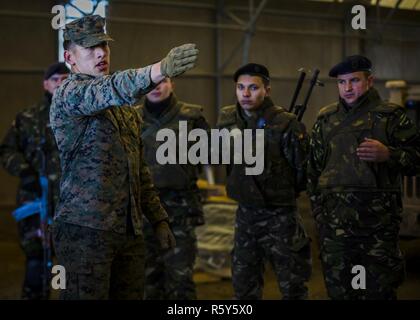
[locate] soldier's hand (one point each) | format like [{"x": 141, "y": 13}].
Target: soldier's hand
[
  {"x": 165, "y": 236},
  {"x": 179, "y": 60},
  {"x": 373, "y": 151}
]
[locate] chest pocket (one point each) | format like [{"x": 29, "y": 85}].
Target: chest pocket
[
  {"x": 167, "y": 176},
  {"x": 343, "y": 166},
  {"x": 277, "y": 171}
]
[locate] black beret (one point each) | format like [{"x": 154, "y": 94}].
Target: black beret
[
  {"x": 59, "y": 68},
  {"x": 351, "y": 64},
  {"x": 252, "y": 69}
]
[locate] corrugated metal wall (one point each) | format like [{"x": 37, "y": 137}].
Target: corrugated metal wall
[{"x": 289, "y": 35}]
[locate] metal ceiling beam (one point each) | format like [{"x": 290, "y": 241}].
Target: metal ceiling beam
[
  {"x": 287, "y": 13},
  {"x": 234, "y": 17},
  {"x": 251, "y": 28},
  {"x": 173, "y": 23},
  {"x": 219, "y": 17},
  {"x": 175, "y": 4},
  {"x": 391, "y": 12},
  {"x": 241, "y": 43},
  {"x": 232, "y": 9}
]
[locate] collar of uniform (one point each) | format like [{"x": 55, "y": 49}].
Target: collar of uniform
[
  {"x": 80, "y": 76},
  {"x": 170, "y": 102},
  {"x": 371, "y": 96},
  {"x": 249, "y": 121},
  {"x": 166, "y": 115}
]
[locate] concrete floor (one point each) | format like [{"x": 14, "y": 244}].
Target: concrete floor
[{"x": 208, "y": 286}]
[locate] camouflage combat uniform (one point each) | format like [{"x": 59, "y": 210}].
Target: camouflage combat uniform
[
  {"x": 169, "y": 274},
  {"x": 106, "y": 186},
  {"x": 268, "y": 226},
  {"x": 357, "y": 204},
  {"x": 21, "y": 153}
]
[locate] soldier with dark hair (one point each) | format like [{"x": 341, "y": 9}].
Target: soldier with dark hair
[
  {"x": 268, "y": 226},
  {"x": 169, "y": 275},
  {"x": 106, "y": 186},
  {"x": 20, "y": 154},
  {"x": 360, "y": 147}
]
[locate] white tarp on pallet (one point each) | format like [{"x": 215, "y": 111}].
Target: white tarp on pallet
[{"x": 215, "y": 239}]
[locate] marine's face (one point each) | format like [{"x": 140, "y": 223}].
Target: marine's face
[
  {"x": 161, "y": 92},
  {"x": 54, "y": 82},
  {"x": 251, "y": 91},
  {"x": 351, "y": 86},
  {"x": 92, "y": 61}
]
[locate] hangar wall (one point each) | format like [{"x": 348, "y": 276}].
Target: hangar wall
[{"x": 288, "y": 35}]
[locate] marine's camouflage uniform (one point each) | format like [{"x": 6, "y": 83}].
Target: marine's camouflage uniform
[
  {"x": 106, "y": 186},
  {"x": 357, "y": 204}
]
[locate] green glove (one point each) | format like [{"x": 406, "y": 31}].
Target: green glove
[
  {"x": 179, "y": 60},
  {"x": 165, "y": 236}
]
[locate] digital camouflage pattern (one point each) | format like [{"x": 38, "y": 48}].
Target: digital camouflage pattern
[
  {"x": 356, "y": 204},
  {"x": 106, "y": 182},
  {"x": 169, "y": 274},
  {"x": 21, "y": 154},
  {"x": 108, "y": 266},
  {"x": 106, "y": 186},
  {"x": 268, "y": 226},
  {"x": 87, "y": 31}
]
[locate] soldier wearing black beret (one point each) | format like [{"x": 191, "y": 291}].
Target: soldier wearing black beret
[
  {"x": 253, "y": 69},
  {"x": 361, "y": 146},
  {"x": 351, "y": 64}
]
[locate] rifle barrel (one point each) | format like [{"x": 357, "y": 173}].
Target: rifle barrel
[
  {"x": 297, "y": 90},
  {"x": 314, "y": 80}
]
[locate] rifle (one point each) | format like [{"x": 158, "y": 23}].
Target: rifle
[
  {"x": 298, "y": 88},
  {"x": 41, "y": 206},
  {"x": 299, "y": 109}
]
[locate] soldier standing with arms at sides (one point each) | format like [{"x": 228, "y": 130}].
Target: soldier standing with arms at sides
[
  {"x": 20, "y": 154},
  {"x": 169, "y": 275},
  {"x": 106, "y": 186},
  {"x": 267, "y": 226},
  {"x": 360, "y": 147}
]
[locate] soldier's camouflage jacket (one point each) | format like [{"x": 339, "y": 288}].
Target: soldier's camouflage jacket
[
  {"x": 177, "y": 183},
  {"x": 333, "y": 163},
  {"x": 105, "y": 178},
  {"x": 23, "y": 148},
  {"x": 285, "y": 154}
]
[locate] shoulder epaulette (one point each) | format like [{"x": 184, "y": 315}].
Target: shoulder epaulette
[
  {"x": 191, "y": 110},
  {"x": 327, "y": 110},
  {"x": 227, "y": 116}
]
